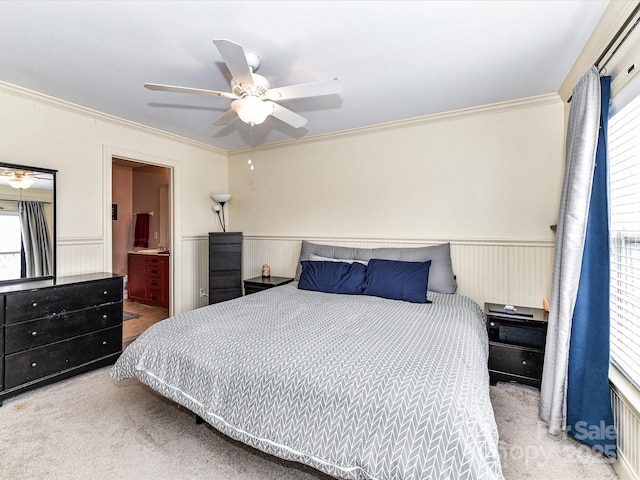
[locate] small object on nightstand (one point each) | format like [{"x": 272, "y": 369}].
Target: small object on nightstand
[
  {"x": 517, "y": 338},
  {"x": 266, "y": 271},
  {"x": 257, "y": 284}
]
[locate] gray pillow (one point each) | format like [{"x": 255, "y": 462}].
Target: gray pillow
[{"x": 441, "y": 277}]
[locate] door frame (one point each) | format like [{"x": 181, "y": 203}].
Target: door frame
[{"x": 108, "y": 154}]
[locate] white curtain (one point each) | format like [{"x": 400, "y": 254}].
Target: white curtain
[
  {"x": 35, "y": 239},
  {"x": 582, "y": 141}
]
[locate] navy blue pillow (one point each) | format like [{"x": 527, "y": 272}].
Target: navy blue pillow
[
  {"x": 397, "y": 280},
  {"x": 332, "y": 277}
]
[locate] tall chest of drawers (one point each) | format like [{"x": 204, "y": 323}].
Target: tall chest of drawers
[
  {"x": 225, "y": 266},
  {"x": 53, "y": 330}
]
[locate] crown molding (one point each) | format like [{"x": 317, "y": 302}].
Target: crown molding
[
  {"x": 489, "y": 109},
  {"x": 34, "y": 96}
]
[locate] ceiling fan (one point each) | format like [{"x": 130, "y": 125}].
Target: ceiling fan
[
  {"x": 253, "y": 99},
  {"x": 21, "y": 179}
]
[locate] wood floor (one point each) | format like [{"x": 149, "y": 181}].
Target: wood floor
[{"x": 148, "y": 316}]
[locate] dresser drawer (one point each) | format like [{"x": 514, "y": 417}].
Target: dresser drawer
[
  {"x": 222, "y": 295},
  {"x": 155, "y": 283},
  {"x": 218, "y": 238},
  {"x": 155, "y": 269},
  {"x": 156, "y": 297},
  {"x": 30, "y": 365},
  {"x": 226, "y": 279},
  {"x": 34, "y": 333},
  {"x": 157, "y": 261},
  {"x": 228, "y": 260},
  {"x": 29, "y": 304},
  {"x": 516, "y": 360}
]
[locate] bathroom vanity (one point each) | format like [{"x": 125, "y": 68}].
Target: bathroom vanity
[{"x": 148, "y": 277}]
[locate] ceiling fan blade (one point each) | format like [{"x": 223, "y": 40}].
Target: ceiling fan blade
[
  {"x": 303, "y": 90},
  {"x": 236, "y": 60},
  {"x": 287, "y": 116},
  {"x": 197, "y": 91},
  {"x": 225, "y": 118}
]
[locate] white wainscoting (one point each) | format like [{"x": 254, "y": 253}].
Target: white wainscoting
[
  {"x": 517, "y": 273},
  {"x": 194, "y": 272},
  {"x": 75, "y": 256},
  {"x": 86, "y": 255}
]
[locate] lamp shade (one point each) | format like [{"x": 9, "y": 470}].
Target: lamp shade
[
  {"x": 221, "y": 197},
  {"x": 251, "y": 109}
]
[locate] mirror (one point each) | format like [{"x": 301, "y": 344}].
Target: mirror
[{"x": 27, "y": 223}]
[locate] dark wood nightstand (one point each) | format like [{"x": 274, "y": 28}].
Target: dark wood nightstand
[
  {"x": 257, "y": 284},
  {"x": 516, "y": 343}
]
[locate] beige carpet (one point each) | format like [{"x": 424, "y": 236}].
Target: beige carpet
[{"x": 93, "y": 428}]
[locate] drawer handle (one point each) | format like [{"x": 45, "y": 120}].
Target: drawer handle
[
  {"x": 33, "y": 334},
  {"x": 493, "y": 324},
  {"x": 105, "y": 292},
  {"x": 104, "y": 316},
  {"x": 34, "y": 364},
  {"x": 34, "y": 304},
  {"x": 524, "y": 362},
  {"x": 104, "y": 343}
]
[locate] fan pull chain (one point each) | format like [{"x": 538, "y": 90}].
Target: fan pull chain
[{"x": 249, "y": 162}]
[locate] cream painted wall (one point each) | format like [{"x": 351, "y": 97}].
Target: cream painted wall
[
  {"x": 486, "y": 173},
  {"x": 42, "y": 131},
  {"x": 486, "y": 179}
]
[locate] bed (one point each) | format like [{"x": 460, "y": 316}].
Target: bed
[{"x": 358, "y": 386}]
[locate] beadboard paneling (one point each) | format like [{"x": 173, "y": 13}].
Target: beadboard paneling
[
  {"x": 77, "y": 256},
  {"x": 194, "y": 273},
  {"x": 502, "y": 272}
]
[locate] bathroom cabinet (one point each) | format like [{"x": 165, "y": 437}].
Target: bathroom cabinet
[{"x": 148, "y": 279}]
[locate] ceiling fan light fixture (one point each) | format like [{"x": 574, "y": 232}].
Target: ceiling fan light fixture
[
  {"x": 20, "y": 181},
  {"x": 252, "y": 110}
]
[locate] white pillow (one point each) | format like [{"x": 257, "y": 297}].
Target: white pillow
[{"x": 317, "y": 258}]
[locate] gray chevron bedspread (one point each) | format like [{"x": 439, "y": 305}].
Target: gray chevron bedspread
[{"x": 358, "y": 387}]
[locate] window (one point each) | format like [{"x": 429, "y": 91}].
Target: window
[
  {"x": 624, "y": 178},
  {"x": 10, "y": 246}
]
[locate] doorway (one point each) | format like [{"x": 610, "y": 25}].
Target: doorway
[{"x": 141, "y": 242}]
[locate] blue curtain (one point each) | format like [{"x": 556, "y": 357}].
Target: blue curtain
[{"x": 589, "y": 414}]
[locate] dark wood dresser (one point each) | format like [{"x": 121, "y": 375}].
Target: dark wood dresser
[
  {"x": 54, "y": 329},
  {"x": 517, "y": 340},
  {"x": 225, "y": 266}
]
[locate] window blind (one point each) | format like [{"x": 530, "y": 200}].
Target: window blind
[{"x": 624, "y": 178}]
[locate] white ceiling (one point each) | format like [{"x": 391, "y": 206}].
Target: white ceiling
[{"x": 396, "y": 59}]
